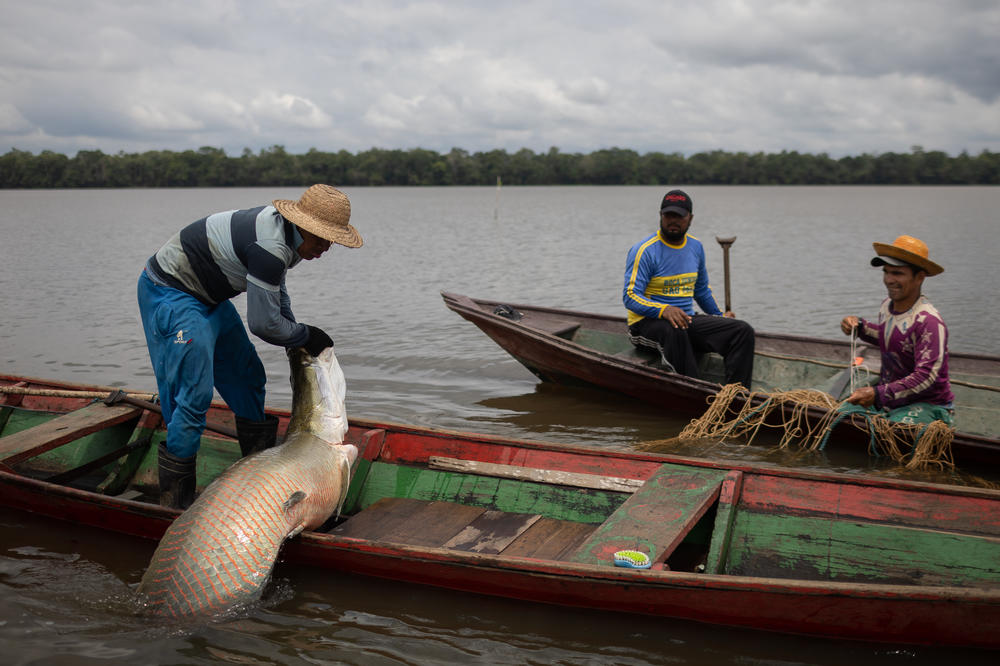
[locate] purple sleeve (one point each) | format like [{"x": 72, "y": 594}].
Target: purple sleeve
[
  {"x": 869, "y": 332},
  {"x": 929, "y": 345}
]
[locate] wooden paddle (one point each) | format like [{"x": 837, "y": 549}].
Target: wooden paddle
[{"x": 725, "y": 243}]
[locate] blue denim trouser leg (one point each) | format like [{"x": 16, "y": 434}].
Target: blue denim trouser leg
[{"x": 195, "y": 347}]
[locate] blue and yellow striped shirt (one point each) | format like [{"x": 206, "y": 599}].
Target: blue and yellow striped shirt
[{"x": 658, "y": 274}]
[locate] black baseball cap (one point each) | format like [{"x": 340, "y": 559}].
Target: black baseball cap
[{"x": 676, "y": 201}]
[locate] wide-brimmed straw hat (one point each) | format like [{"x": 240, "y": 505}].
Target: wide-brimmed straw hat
[
  {"x": 324, "y": 211},
  {"x": 905, "y": 250}
]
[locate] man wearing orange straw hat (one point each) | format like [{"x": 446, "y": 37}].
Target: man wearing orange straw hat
[
  {"x": 912, "y": 336},
  {"x": 195, "y": 337}
]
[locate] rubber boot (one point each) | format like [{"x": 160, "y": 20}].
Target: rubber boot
[
  {"x": 177, "y": 479},
  {"x": 256, "y": 436}
]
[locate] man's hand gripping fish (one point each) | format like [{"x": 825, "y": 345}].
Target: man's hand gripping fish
[{"x": 220, "y": 551}]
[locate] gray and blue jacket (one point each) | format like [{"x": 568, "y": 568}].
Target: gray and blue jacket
[{"x": 237, "y": 251}]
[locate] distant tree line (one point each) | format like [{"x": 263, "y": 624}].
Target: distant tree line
[{"x": 211, "y": 167}]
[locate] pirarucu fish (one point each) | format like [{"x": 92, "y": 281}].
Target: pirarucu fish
[{"x": 220, "y": 552}]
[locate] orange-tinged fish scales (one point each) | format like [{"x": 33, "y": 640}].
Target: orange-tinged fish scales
[{"x": 220, "y": 551}]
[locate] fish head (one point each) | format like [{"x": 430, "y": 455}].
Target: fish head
[{"x": 318, "y": 395}]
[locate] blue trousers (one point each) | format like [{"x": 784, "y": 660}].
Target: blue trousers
[{"x": 195, "y": 347}]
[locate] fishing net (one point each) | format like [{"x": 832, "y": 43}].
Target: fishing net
[{"x": 736, "y": 414}]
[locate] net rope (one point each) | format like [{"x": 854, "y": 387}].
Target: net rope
[{"x": 736, "y": 414}]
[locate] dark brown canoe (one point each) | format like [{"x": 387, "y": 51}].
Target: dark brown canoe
[
  {"x": 569, "y": 347},
  {"x": 773, "y": 549}
]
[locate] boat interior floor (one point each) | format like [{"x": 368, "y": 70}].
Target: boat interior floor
[{"x": 473, "y": 529}]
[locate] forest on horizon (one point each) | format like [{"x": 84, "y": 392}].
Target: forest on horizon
[{"x": 274, "y": 166}]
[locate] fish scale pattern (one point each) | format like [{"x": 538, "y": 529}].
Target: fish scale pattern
[
  {"x": 222, "y": 549},
  {"x": 220, "y": 552}
]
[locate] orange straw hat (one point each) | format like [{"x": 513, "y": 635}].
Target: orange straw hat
[
  {"x": 324, "y": 211},
  {"x": 905, "y": 250}
]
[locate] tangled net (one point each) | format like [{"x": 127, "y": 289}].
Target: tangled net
[{"x": 915, "y": 446}]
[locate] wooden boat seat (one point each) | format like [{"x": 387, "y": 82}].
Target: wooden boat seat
[
  {"x": 61, "y": 430},
  {"x": 641, "y": 355},
  {"x": 710, "y": 365},
  {"x": 466, "y": 528},
  {"x": 563, "y": 328},
  {"x": 657, "y": 517},
  {"x": 555, "y": 477}
]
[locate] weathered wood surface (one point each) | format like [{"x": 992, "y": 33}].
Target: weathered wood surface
[
  {"x": 491, "y": 532},
  {"x": 416, "y": 448},
  {"x": 13, "y": 399},
  {"x": 550, "y": 539},
  {"x": 411, "y": 522},
  {"x": 725, "y": 517},
  {"x": 552, "y": 326},
  {"x": 469, "y": 529},
  {"x": 657, "y": 517},
  {"x": 554, "y": 477},
  {"x": 816, "y": 548},
  {"x": 62, "y": 430},
  {"x": 915, "y": 507},
  {"x": 560, "y": 502}
]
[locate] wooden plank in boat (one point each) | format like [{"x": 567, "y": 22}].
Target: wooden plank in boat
[
  {"x": 657, "y": 517},
  {"x": 63, "y": 429},
  {"x": 557, "y": 327},
  {"x": 491, "y": 532},
  {"x": 772, "y": 545},
  {"x": 369, "y": 445},
  {"x": 550, "y": 539},
  {"x": 913, "y": 507},
  {"x": 434, "y": 524},
  {"x": 381, "y": 517},
  {"x": 725, "y": 516},
  {"x": 555, "y": 477},
  {"x": 409, "y": 521},
  {"x": 13, "y": 399}
]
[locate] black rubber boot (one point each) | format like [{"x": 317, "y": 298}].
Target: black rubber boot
[
  {"x": 177, "y": 479},
  {"x": 256, "y": 436}
]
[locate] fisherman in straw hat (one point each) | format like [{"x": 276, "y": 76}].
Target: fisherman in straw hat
[
  {"x": 912, "y": 337},
  {"x": 195, "y": 337}
]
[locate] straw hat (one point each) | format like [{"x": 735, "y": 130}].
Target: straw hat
[
  {"x": 324, "y": 211},
  {"x": 905, "y": 250}
]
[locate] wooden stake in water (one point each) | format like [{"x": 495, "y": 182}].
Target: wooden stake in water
[
  {"x": 725, "y": 243},
  {"x": 496, "y": 206}
]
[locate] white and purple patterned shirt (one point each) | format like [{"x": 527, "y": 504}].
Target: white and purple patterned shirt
[{"x": 914, "y": 346}]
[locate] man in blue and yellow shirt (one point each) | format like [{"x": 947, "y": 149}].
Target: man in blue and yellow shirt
[{"x": 664, "y": 275}]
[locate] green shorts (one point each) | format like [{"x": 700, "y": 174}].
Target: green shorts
[{"x": 920, "y": 412}]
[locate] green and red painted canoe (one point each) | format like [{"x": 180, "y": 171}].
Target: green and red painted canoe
[
  {"x": 742, "y": 545},
  {"x": 581, "y": 348}
]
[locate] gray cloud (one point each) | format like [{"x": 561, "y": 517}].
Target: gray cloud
[{"x": 815, "y": 76}]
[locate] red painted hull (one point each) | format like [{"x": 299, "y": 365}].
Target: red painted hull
[
  {"x": 895, "y": 614},
  {"x": 882, "y": 613}
]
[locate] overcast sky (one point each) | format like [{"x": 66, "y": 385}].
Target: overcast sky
[{"x": 843, "y": 77}]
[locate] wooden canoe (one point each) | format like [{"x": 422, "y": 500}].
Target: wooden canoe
[
  {"x": 569, "y": 347},
  {"x": 741, "y": 545}
]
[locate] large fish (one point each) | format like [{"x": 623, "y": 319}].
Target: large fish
[{"x": 220, "y": 552}]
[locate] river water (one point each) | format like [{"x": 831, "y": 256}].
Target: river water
[{"x": 68, "y": 265}]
